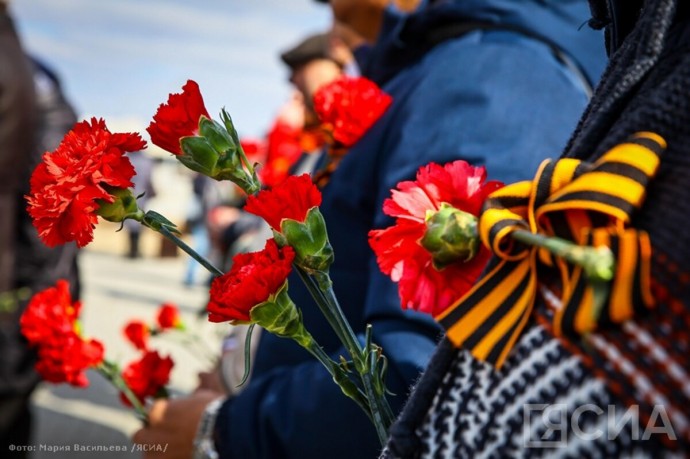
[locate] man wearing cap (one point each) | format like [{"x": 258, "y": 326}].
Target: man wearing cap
[{"x": 311, "y": 65}]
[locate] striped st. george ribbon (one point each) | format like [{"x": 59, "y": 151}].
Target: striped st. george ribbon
[{"x": 589, "y": 204}]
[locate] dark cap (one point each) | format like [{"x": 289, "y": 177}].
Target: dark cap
[{"x": 311, "y": 48}]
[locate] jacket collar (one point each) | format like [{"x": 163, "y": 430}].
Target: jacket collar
[{"x": 619, "y": 18}]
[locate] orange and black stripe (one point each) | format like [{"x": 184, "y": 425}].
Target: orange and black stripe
[{"x": 586, "y": 203}]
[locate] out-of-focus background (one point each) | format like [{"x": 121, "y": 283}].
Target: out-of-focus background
[{"x": 119, "y": 59}]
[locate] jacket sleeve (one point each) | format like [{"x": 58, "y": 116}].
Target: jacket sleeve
[{"x": 506, "y": 107}]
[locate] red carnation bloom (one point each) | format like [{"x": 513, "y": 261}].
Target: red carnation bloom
[
  {"x": 283, "y": 149},
  {"x": 398, "y": 250},
  {"x": 254, "y": 148},
  {"x": 350, "y": 106},
  {"x": 67, "y": 359},
  {"x": 49, "y": 322},
  {"x": 290, "y": 199},
  {"x": 67, "y": 184},
  {"x": 137, "y": 333},
  {"x": 147, "y": 376},
  {"x": 178, "y": 118},
  {"x": 49, "y": 314},
  {"x": 168, "y": 316},
  {"x": 251, "y": 280}
]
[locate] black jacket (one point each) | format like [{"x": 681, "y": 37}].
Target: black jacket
[{"x": 36, "y": 266}]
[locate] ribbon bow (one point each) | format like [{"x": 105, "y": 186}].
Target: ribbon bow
[{"x": 589, "y": 204}]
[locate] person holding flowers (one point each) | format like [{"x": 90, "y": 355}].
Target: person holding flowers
[
  {"x": 586, "y": 375},
  {"x": 417, "y": 109},
  {"x": 452, "y": 93}
]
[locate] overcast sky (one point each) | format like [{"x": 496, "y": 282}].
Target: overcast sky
[{"x": 120, "y": 58}]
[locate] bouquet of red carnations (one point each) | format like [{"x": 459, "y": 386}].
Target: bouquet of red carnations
[{"x": 435, "y": 251}]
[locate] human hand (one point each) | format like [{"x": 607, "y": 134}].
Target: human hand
[
  {"x": 211, "y": 380},
  {"x": 173, "y": 425}
]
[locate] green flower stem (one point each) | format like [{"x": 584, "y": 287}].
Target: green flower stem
[
  {"x": 342, "y": 326},
  {"x": 378, "y": 384},
  {"x": 322, "y": 303},
  {"x": 111, "y": 372},
  {"x": 187, "y": 249},
  {"x": 597, "y": 262},
  {"x": 341, "y": 379},
  {"x": 381, "y": 413},
  {"x": 379, "y": 408}
]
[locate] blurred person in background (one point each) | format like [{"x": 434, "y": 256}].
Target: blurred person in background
[
  {"x": 17, "y": 132},
  {"x": 16, "y": 129},
  {"x": 195, "y": 223},
  {"x": 34, "y": 116},
  {"x": 144, "y": 189},
  {"x": 342, "y": 41},
  {"x": 38, "y": 266},
  {"x": 495, "y": 82},
  {"x": 314, "y": 62},
  {"x": 293, "y": 144}
]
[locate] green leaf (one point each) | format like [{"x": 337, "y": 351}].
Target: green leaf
[
  {"x": 124, "y": 206},
  {"x": 229, "y": 125},
  {"x": 199, "y": 155},
  {"x": 155, "y": 221},
  {"x": 317, "y": 227},
  {"x": 247, "y": 355},
  {"x": 382, "y": 375},
  {"x": 216, "y": 135},
  {"x": 344, "y": 363},
  {"x": 310, "y": 241}
]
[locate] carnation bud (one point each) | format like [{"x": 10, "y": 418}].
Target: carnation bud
[
  {"x": 313, "y": 251},
  {"x": 451, "y": 236},
  {"x": 218, "y": 136},
  {"x": 280, "y": 316},
  {"x": 217, "y": 153},
  {"x": 124, "y": 206},
  {"x": 199, "y": 155}
]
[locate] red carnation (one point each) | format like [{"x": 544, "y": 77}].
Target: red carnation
[
  {"x": 350, "y": 106},
  {"x": 290, "y": 199},
  {"x": 398, "y": 250},
  {"x": 49, "y": 314},
  {"x": 168, "y": 316},
  {"x": 67, "y": 358},
  {"x": 178, "y": 118},
  {"x": 147, "y": 376},
  {"x": 254, "y": 148},
  {"x": 253, "y": 278},
  {"x": 283, "y": 149},
  {"x": 137, "y": 333},
  {"x": 50, "y": 323},
  {"x": 67, "y": 184}
]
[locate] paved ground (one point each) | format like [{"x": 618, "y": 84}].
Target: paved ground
[{"x": 117, "y": 289}]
